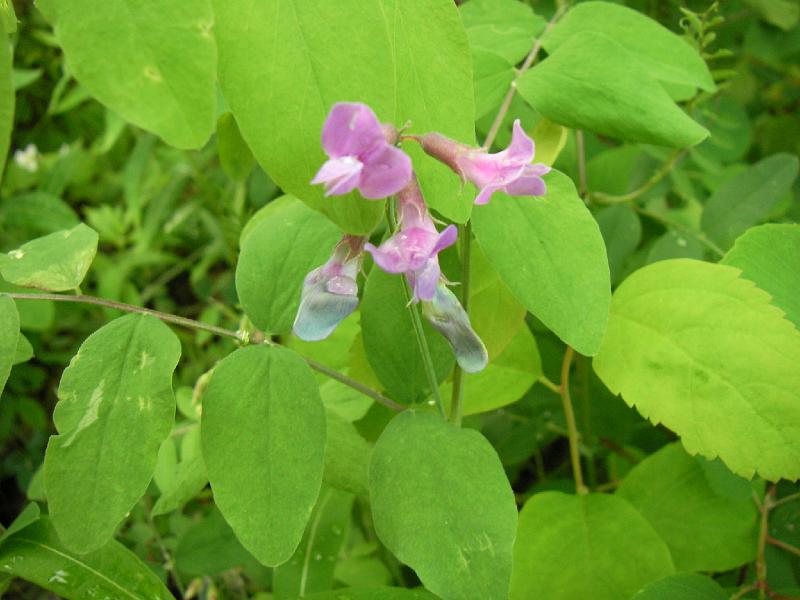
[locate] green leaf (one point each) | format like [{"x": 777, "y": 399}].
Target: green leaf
[
  {"x": 674, "y": 244},
  {"x": 115, "y": 409},
  {"x": 152, "y": 61},
  {"x": 592, "y": 546},
  {"x": 6, "y": 81},
  {"x": 376, "y": 593},
  {"x": 761, "y": 253},
  {"x": 9, "y": 22},
  {"x": 682, "y": 586},
  {"x": 662, "y": 54},
  {"x": 622, "y": 232},
  {"x": 408, "y": 60},
  {"x": 706, "y": 526},
  {"x": 263, "y": 431},
  {"x": 442, "y": 504},
  {"x": 29, "y": 515},
  {"x": 24, "y": 352},
  {"x": 311, "y": 568},
  {"x": 391, "y": 345},
  {"x": 505, "y": 27},
  {"x": 697, "y": 348},
  {"x": 209, "y": 547},
  {"x": 591, "y": 83},
  {"x": 234, "y": 154},
  {"x": 188, "y": 479},
  {"x": 9, "y": 337},
  {"x": 57, "y": 262},
  {"x": 346, "y": 456},
  {"x": 551, "y": 254},
  {"x": 36, "y": 554},
  {"x": 493, "y": 75},
  {"x": 275, "y": 259},
  {"x": 781, "y": 13},
  {"x": 748, "y": 198},
  {"x": 36, "y": 214}
]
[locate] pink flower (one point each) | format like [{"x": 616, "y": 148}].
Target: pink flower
[
  {"x": 414, "y": 249},
  {"x": 360, "y": 155},
  {"x": 330, "y": 292},
  {"x": 509, "y": 171}
]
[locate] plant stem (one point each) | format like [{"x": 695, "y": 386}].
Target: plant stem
[
  {"x": 545, "y": 381},
  {"x": 572, "y": 429},
  {"x": 529, "y": 60},
  {"x": 192, "y": 324},
  {"x": 700, "y": 237},
  {"x": 761, "y": 561},
  {"x": 786, "y": 499},
  {"x": 645, "y": 187},
  {"x": 783, "y": 545},
  {"x": 465, "y": 234},
  {"x": 580, "y": 150}
]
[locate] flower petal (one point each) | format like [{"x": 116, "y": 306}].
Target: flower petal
[
  {"x": 321, "y": 311},
  {"x": 521, "y": 149},
  {"x": 385, "y": 173},
  {"x": 486, "y": 193},
  {"x": 351, "y": 129},
  {"x": 425, "y": 279},
  {"x": 446, "y": 238},
  {"x": 389, "y": 256},
  {"x": 340, "y": 175},
  {"x": 526, "y": 186}
]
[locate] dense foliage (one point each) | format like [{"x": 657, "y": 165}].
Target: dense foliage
[{"x": 292, "y": 307}]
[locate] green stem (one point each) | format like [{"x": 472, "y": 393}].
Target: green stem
[
  {"x": 645, "y": 187},
  {"x": 572, "y": 429},
  {"x": 580, "y": 150},
  {"x": 465, "y": 234}
]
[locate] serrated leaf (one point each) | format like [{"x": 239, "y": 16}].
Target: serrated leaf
[
  {"x": 682, "y": 586},
  {"x": 696, "y": 347},
  {"x": 115, "y": 409},
  {"x": 152, "y": 61},
  {"x": 428, "y": 476},
  {"x": 57, "y": 262},
  {"x": 263, "y": 431},
  {"x": 567, "y": 545},
  {"x": 36, "y": 554},
  {"x": 409, "y": 60},
  {"x": 9, "y": 337},
  {"x": 550, "y": 253}
]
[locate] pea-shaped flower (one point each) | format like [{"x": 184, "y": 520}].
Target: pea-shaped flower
[
  {"x": 414, "y": 249},
  {"x": 509, "y": 171},
  {"x": 361, "y": 154}
]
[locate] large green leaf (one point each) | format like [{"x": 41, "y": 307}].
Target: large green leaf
[
  {"x": 704, "y": 513},
  {"x": 682, "y": 586},
  {"x": 57, "y": 262},
  {"x": 697, "y": 348},
  {"x": 6, "y": 92},
  {"x": 115, "y": 408},
  {"x": 263, "y": 429},
  {"x": 505, "y": 27},
  {"x": 151, "y": 61},
  {"x": 663, "y": 54},
  {"x": 311, "y": 568},
  {"x": 9, "y": 337},
  {"x": 762, "y": 253},
  {"x": 36, "y": 554},
  {"x": 591, "y": 83},
  {"x": 283, "y": 64},
  {"x": 442, "y": 504},
  {"x": 276, "y": 257},
  {"x": 748, "y": 198},
  {"x": 594, "y": 546},
  {"x": 372, "y": 593},
  {"x": 390, "y": 343},
  {"x": 551, "y": 254}
]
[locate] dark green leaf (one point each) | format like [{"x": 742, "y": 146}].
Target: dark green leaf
[
  {"x": 9, "y": 336},
  {"x": 682, "y": 586}
]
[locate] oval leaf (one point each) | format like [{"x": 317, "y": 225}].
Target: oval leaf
[
  {"x": 682, "y": 586},
  {"x": 694, "y": 346},
  {"x": 115, "y": 409},
  {"x": 263, "y": 430},
  {"x": 551, "y": 254},
  {"x": 442, "y": 504},
  {"x": 9, "y": 337},
  {"x": 567, "y": 544}
]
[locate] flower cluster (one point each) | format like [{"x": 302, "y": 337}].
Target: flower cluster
[{"x": 362, "y": 156}]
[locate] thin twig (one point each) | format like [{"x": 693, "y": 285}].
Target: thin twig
[
  {"x": 569, "y": 414},
  {"x": 783, "y": 545},
  {"x": 645, "y": 187},
  {"x": 786, "y": 499},
  {"x": 546, "y": 382}
]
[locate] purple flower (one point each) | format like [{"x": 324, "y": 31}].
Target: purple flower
[
  {"x": 330, "y": 292},
  {"x": 360, "y": 155},
  {"x": 414, "y": 249},
  {"x": 509, "y": 171}
]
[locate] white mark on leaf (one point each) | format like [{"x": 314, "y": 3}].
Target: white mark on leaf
[
  {"x": 144, "y": 403},
  {"x": 16, "y": 254},
  {"x": 58, "y": 577},
  {"x": 145, "y": 360},
  {"x": 91, "y": 414}
]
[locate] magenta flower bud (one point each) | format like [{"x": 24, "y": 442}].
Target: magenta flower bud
[
  {"x": 414, "y": 249},
  {"x": 509, "y": 171},
  {"x": 447, "y": 315},
  {"x": 361, "y": 154},
  {"x": 330, "y": 292}
]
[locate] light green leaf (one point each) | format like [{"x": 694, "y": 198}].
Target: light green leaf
[
  {"x": 8, "y": 19},
  {"x": 550, "y": 140},
  {"x": 748, "y": 198},
  {"x": 701, "y": 350},
  {"x": 9, "y": 337},
  {"x": 493, "y": 75},
  {"x": 704, "y": 528},
  {"x": 57, "y": 262},
  {"x": 408, "y": 60},
  {"x": 442, "y": 504},
  {"x": 682, "y": 586},
  {"x": 591, "y": 83},
  {"x": 505, "y": 27},
  {"x": 275, "y": 259},
  {"x": 115, "y": 409},
  {"x": 209, "y": 547},
  {"x": 593, "y": 546},
  {"x": 762, "y": 253},
  {"x": 36, "y": 554},
  {"x": 188, "y": 479},
  {"x": 622, "y": 232},
  {"x": 263, "y": 431},
  {"x": 24, "y": 352},
  {"x": 376, "y": 593},
  {"x": 311, "y": 568},
  {"x": 662, "y": 54},
  {"x": 391, "y": 346},
  {"x": 235, "y": 156},
  {"x": 6, "y": 82},
  {"x": 152, "y": 61},
  {"x": 551, "y": 254},
  {"x": 346, "y": 456}
]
